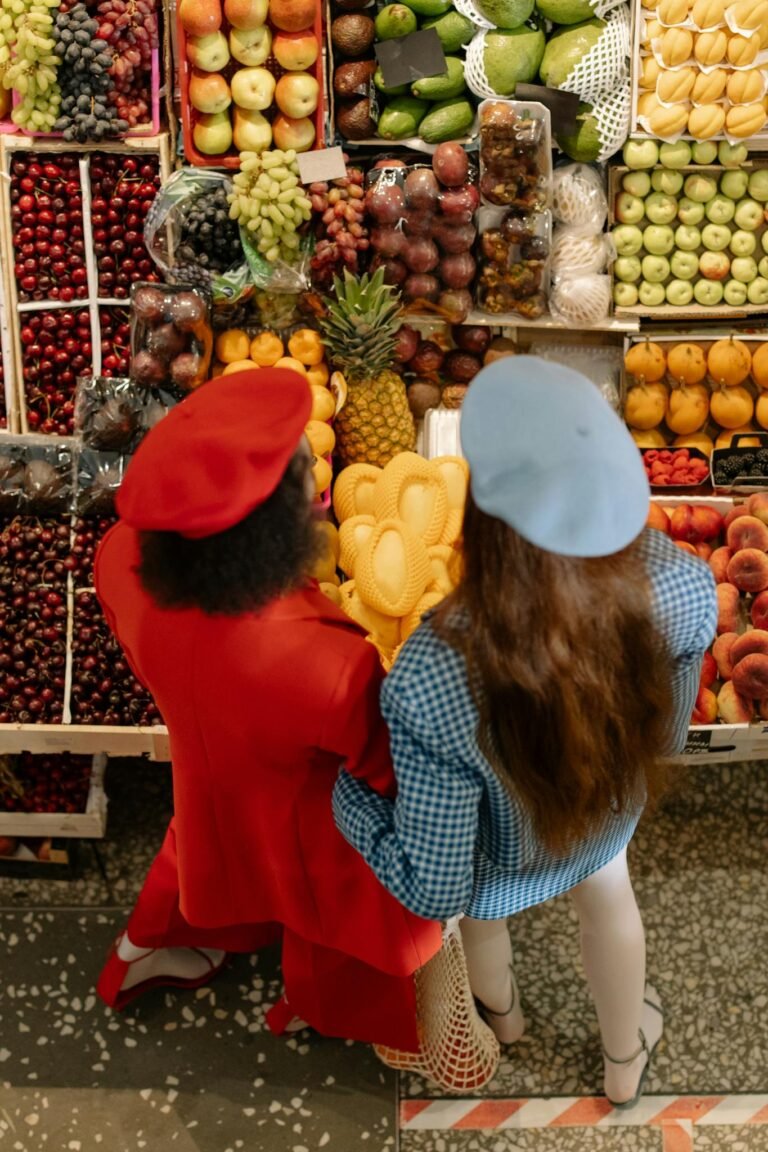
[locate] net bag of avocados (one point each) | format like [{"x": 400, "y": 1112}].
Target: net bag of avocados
[{"x": 456, "y": 1048}]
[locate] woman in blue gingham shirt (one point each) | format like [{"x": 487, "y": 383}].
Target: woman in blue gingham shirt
[{"x": 458, "y": 840}]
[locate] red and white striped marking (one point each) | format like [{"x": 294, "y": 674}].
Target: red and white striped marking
[{"x": 675, "y": 1116}]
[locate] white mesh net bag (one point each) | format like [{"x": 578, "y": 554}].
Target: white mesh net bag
[
  {"x": 578, "y": 197},
  {"x": 606, "y": 65},
  {"x": 467, "y": 8},
  {"x": 612, "y": 111},
  {"x": 457, "y": 1049},
  {"x": 474, "y": 69},
  {"x": 581, "y": 301}
]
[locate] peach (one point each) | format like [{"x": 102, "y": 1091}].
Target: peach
[
  {"x": 721, "y": 653},
  {"x": 750, "y": 676},
  {"x": 748, "y": 570},
  {"x": 703, "y": 550},
  {"x": 718, "y": 563},
  {"x": 696, "y": 523},
  {"x": 733, "y": 708},
  {"x": 747, "y": 532},
  {"x": 758, "y": 506},
  {"x": 658, "y": 518},
  {"x": 684, "y": 546},
  {"x": 708, "y": 673},
  {"x": 734, "y": 514},
  {"x": 759, "y": 613},
  {"x": 727, "y": 608},
  {"x": 748, "y": 644},
  {"x": 705, "y": 708}
]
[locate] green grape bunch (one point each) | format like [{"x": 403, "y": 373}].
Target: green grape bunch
[
  {"x": 28, "y": 62},
  {"x": 269, "y": 201}
]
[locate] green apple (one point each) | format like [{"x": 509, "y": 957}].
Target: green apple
[
  {"x": 731, "y": 155},
  {"x": 628, "y": 239},
  {"x": 748, "y": 214},
  {"x": 641, "y": 153},
  {"x": 735, "y": 293},
  {"x": 720, "y": 210},
  {"x": 667, "y": 180},
  {"x": 628, "y": 269},
  {"x": 758, "y": 184},
  {"x": 714, "y": 265},
  {"x": 637, "y": 184},
  {"x": 757, "y": 291},
  {"x": 704, "y": 152},
  {"x": 708, "y": 292},
  {"x": 684, "y": 265},
  {"x": 690, "y": 211},
  {"x": 743, "y": 243},
  {"x": 625, "y": 295},
  {"x": 658, "y": 239},
  {"x": 715, "y": 237},
  {"x": 629, "y": 209},
  {"x": 661, "y": 208},
  {"x": 212, "y": 133},
  {"x": 699, "y": 187},
  {"x": 687, "y": 237},
  {"x": 679, "y": 292},
  {"x": 762, "y": 267},
  {"x": 655, "y": 269},
  {"x": 744, "y": 268},
  {"x": 651, "y": 295},
  {"x": 733, "y": 183},
  {"x": 676, "y": 155}
]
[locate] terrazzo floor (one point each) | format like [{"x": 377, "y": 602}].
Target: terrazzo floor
[{"x": 199, "y": 1072}]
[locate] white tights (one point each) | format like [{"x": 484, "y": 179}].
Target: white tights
[{"x": 613, "y": 953}]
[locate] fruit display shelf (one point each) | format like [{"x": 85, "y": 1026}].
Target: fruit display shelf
[
  {"x": 103, "y": 253},
  {"x": 722, "y": 310},
  {"x": 244, "y": 140},
  {"x": 90, "y": 824}
]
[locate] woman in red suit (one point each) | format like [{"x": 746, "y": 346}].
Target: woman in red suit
[{"x": 266, "y": 689}]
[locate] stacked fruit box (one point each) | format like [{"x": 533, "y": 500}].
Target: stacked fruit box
[{"x": 53, "y": 796}]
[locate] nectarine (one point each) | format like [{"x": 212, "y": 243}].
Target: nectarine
[
  {"x": 684, "y": 546},
  {"x": 721, "y": 653},
  {"x": 757, "y": 506},
  {"x": 658, "y": 518},
  {"x": 747, "y": 532},
  {"x": 733, "y": 708},
  {"x": 705, "y": 708},
  {"x": 748, "y": 570},
  {"x": 735, "y": 512},
  {"x": 703, "y": 550},
  {"x": 727, "y": 608},
  {"x": 750, "y": 677},
  {"x": 708, "y": 673},
  {"x": 718, "y": 564}
]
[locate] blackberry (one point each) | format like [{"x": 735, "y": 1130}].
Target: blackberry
[
  {"x": 747, "y": 460},
  {"x": 731, "y": 466},
  {"x": 721, "y": 476},
  {"x": 762, "y": 456},
  {"x": 755, "y": 470}
]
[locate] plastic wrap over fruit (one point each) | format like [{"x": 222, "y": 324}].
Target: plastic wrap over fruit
[
  {"x": 514, "y": 270},
  {"x": 113, "y": 415},
  {"x": 171, "y": 337},
  {"x": 191, "y": 238},
  {"x": 578, "y": 197},
  {"x": 99, "y": 475},
  {"x": 35, "y": 475},
  {"x": 581, "y": 301},
  {"x": 515, "y": 154},
  {"x": 601, "y": 365}
]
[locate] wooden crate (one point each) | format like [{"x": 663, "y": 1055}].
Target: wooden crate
[
  {"x": 9, "y": 389},
  {"x": 85, "y": 738},
  {"x": 88, "y": 825}
]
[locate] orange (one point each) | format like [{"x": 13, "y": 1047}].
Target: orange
[
  {"x": 323, "y": 403},
  {"x": 239, "y": 366},
  {"x": 319, "y": 373},
  {"x": 292, "y": 363},
  {"x": 266, "y": 349},
  {"x": 321, "y": 437},
  {"x": 323, "y": 474},
  {"x": 306, "y": 345},
  {"x": 232, "y": 345}
]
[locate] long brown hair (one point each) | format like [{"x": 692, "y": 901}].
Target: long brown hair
[{"x": 569, "y": 674}]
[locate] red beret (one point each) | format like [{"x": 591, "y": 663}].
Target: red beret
[{"x": 217, "y": 455}]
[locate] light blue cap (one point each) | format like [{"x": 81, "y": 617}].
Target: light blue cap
[{"x": 549, "y": 456}]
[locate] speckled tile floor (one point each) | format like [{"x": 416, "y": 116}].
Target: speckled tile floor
[{"x": 200, "y": 1072}]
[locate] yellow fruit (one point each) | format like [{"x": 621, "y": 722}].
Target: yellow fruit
[
  {"x": 331, "y": 533},
  {"x": 353, "y": 491},
  {"x": 323, "y": 403},
  {"x": 676, "y": 47},
  {"x": 233, "y": 345},
  {"x": 698, "y": 440},
  {"x": 383, "y": 628},
  {"x": 651, "y": 70},
  {"x": 761, "y": 410},
  {"x": 266, "y": 349},
  {"x": 240, "y": 366},
  {"x": 732, "y": 407},
  {"x": 411, "y": 489},
  {"x": 711, "y": 47},
  {"x": 331, "y": 591},
  {"x": 760, "y": 366},
  {"x": 646, "y": 406},
  {"x": 323, "y": 474},
  {"x": 352, "y": 535},
  {"x": 321, "y": 437},
  {"x": 646, "y": 361},
  {"x": 306, "y": 346},
  {"x": 319, "y": 373},
  {"x": 688, "y": 409},
  {"x": 687, "y": 363},
  {"x": 725, "y": 438},
  {"x": 290, "y": 363},
  {"x": 729, "y": 361},
  {"x": 649, "y": 438}
]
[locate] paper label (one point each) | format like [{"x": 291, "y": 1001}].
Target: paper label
[
  {"x": 324, "y": 164},
  {"x": 410, "y": 58}
]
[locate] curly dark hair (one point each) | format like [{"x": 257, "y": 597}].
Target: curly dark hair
[{"x": 269, "y": 553}]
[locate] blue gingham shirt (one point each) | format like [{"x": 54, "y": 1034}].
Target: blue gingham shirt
[{"x": 455, "y": 840}]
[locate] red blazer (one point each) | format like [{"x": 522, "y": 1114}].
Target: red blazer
[{"x": 261, "y": 710}]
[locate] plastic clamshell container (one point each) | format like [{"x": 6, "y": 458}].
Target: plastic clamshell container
[
  {"x": 526, "y": 110},
  {"x": 742, "y": 484},
  {"x": 231, "y": 158},
  {"x": 487, "y": 219}
]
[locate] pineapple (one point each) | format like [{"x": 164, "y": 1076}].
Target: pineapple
[{"x": 375, "y": 423}]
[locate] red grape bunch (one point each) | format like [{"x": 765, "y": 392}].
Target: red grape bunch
[{"x": 341, "y": 232}]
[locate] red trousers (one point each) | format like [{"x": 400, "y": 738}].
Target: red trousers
[{"x": 337, "y": 994}]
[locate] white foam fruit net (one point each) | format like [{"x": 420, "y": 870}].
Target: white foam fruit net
[
  {"x": 612, "y": 112},
  {"x": 467, "y": 8},
  {"x": 607, "y": 64},
  {"x": 456, "y": 1048}
]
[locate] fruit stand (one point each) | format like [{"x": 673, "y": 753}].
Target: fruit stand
[{"x": 383, "y": 197}]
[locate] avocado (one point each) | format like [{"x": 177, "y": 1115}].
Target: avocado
[
  {"x": 354, "y": 120},
  {"x": 429, "y": 7},
  {"x": 444, "y": 86},
  {"x": 352, "y": 35},
  {"x": 447, "y": 120},
  {"x": 399, "y": 90},
  {"x": 353, "y": 77},
  {"x": 394, "y": 22},
  {"x": 453, "y": 30},
  {"x": 584, "y": 143},
  {"x": 506, "y": 13},
  {"x": 401, "y": 118}
]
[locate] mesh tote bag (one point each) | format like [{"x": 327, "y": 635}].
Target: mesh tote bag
[{"x": 456, "y": 1048}]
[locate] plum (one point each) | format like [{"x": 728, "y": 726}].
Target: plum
[
  {"x": 450, "y": 164},
  {"x": 387, "y": 241},
  {"x": 422, "y": 286},
  {"x": 457, "y": 270},
  {"x": 421, "y": 255},
  {"x": 185, "y": 370},
  {"x": 385, "y": 202},
  {"x": 421, "y": 189}
]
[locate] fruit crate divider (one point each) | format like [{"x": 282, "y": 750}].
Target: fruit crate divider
[
  {"x": 67, "y": 712},
  {"x": 11, "y": 402},
  {"x": 91, "y": 269}
]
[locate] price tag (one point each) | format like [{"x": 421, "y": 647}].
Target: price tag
[
  {"x": 410, "y": 58},
  {"x": 563, "y": 106},
  {"x": 324, "y": 164}
]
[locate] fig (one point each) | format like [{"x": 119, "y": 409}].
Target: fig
[
  {"x": 422, "y": 395},
  {"x": 188, "y": 311},
  {"x": 450, "y": 164},
  {"x": 148, "y": 304},
  {"x": 406, "y": 343},
  {"x": 113, "y": 426},
  {"x": 458, "y": 270},
  {"x": 456, "y": 303},
  {"x": 166, "y": 341},
  {"x": 421, "y": 255},
  {"x": 185, "y": 370},
  {"x": 460, "y": 202},
  {"x": 387, "y": 241},
  {"x": 385, "y": 202},
  {"x": 147, "y": 370},
  {"x": 460, "y": 367},
  {"x": 422, "y": 286},
  {"x": 395, "y": 272},
  {"x": 427, "y": 359},
  {"x": 454, "y": 238},
  {"x": 42, "y": 481},
  {"x": 472, "y": 338},
  {"x": 421, "y": 189}
]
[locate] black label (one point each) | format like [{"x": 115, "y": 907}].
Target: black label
[
  {"x": 410, "y": 58},
  {"x": 563, "y": 106}
]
